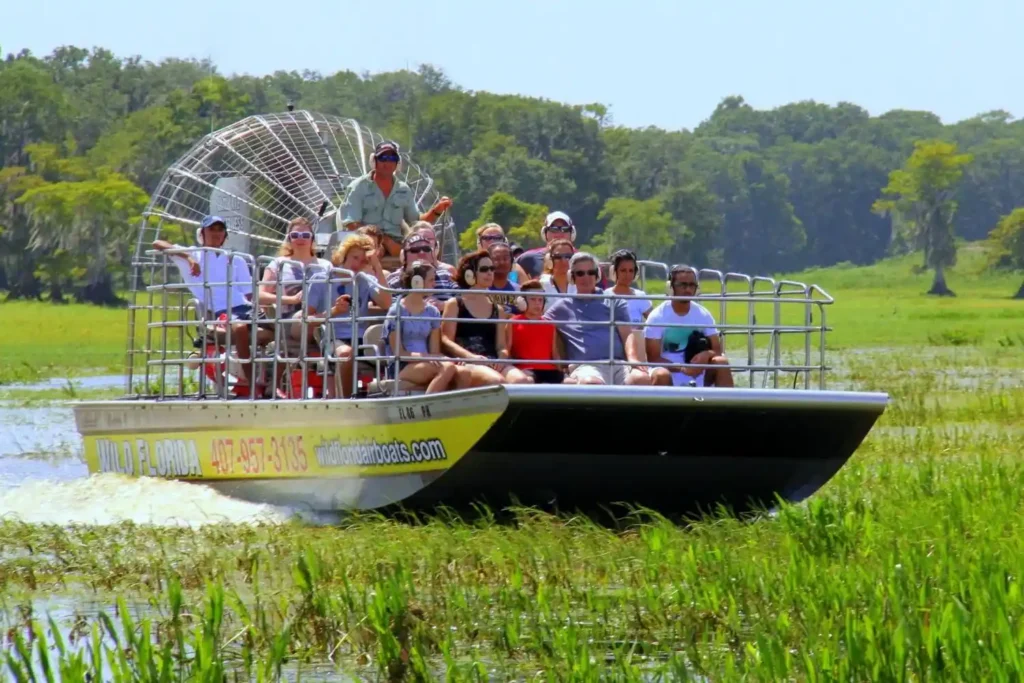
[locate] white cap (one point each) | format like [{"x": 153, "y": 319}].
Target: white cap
[
  {"x": 558, "y": 215},
  {"x": 554, "y": 216}
]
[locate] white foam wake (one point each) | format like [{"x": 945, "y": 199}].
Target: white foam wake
[{"x": 114, "y": 498}]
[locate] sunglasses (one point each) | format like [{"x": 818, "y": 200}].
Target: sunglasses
[
  {"x": 492, "y": 238},
  {"x": 561, "y": 257},
  {"x": 688, "y": 285},
  {"x": 419, "y": 250},
  {"x": 559, "y": 228},
  {"x": 484, "y": 269},
  {"x": 216, "y": 227},
  {"x": 388, "y": 157},
  {"x": 304, "y": 235},
  {"x": 581, "y": 273}
]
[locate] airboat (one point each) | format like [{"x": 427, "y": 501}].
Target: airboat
[{"x": 676, "y": 450}]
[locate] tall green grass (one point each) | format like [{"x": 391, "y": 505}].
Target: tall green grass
[{"x": 905, "y": 567}]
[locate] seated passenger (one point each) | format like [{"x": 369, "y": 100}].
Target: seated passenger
[
  {"x": 587, "y": 343},
  {"x": 490, "y": 234},
  {"x": 380, "y": 198},
  {"x": 335, "y": 299},
  {"x": 374, "y": 233},
  {"x": 296, "y": 249},
  {"x": 503, "y": 282},
  {"x": 669, "y": 344},
  {"x": 427, "y": 230},
  {"x": 417, "y": 247},
  {"x": 557, "y": 226},
  {"x": 535, "y": 341},
  {"x": 419, "y": 337},
  {"x": 556, "y": 277},
  {"x": 624, "y": 268},
  {"x": 471, "y": 340},
  {"x": 200, "y": 269}
]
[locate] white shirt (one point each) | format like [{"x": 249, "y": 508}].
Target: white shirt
[
  {"x": 549, "y": 286},
  {"x": 213, "y": 270},
  {"x": 673, "y": 339},
  {"x": 637, "y": 306}
]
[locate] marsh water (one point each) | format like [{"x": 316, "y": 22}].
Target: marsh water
[{"x": 43, "y": 478}]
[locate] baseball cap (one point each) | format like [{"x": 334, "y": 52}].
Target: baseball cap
[
  {"x": 210, "y": 220},
  {"x": 414, "y": 239},
  {"x": 556, "y": 215},
  {"x": 385, "y": 147}
]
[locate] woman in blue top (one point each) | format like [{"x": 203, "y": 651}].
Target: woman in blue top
[{"x": 419, "y": 337}]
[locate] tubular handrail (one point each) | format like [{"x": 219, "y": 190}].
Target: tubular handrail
[{"x": 274, "y": 348}]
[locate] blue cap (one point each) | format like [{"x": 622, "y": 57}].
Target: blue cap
[{"x": 210, "y": 220}]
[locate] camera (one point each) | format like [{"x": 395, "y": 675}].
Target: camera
[{"x": 696, "y": 343}]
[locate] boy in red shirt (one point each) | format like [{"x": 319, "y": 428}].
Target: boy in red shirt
[{"x": 534, "y": 341}]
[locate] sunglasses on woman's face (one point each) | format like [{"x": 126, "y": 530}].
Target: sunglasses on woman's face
[
  {"x": 419, "y": 250},
  {"x": 492, "y": 238},
  {"x": 484, "y": 269},
  {"x": 304, "y": 235},
  {"x": 561, "y": 257},
  {"x": 388, "y": 157},
  {"x": 581, "y": 273}
]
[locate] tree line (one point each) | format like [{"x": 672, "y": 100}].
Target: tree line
[{"x": 86, "y": 135}]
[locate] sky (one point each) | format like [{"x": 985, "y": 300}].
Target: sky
[{"x": 658, "y": 62}]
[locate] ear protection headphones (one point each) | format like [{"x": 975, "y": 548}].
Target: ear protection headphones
[
  {"x": 469, "y": 276},
  {"x": 417, "y": 281},
  {"x": 199, "y": 237},
  {"x": 675, "y": 270},
  {"x": 521, "y": 303}
]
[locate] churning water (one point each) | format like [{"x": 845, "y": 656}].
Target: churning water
[{"x": 43, "y": 478}]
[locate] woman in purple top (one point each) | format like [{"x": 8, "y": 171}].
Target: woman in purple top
[{"x": 419, "y": 337}]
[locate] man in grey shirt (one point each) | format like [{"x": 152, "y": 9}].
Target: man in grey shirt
[{"x": 585, "y": 343}]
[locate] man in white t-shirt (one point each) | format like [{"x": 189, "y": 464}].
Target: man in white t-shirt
[
  {"x": 668, "y": 344},
  {"x": 207, "y": 273}
]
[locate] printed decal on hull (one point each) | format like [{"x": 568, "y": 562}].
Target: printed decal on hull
[{"x": 285, "y": 453}]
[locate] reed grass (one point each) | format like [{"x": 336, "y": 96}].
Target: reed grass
[{"x": 905, "y": 567}]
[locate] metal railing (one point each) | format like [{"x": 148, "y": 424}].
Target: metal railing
[{"x": 159, "y": 364}]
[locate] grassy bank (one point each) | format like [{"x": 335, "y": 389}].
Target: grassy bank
[
  {"x": 42, "y": 340},
  {"x": 905, "y": 566}
]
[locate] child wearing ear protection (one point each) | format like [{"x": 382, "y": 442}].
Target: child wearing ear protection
[{"x": 534, "y": 341}]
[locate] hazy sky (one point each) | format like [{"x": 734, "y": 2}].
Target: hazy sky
[{"x": 657, "y": 63}]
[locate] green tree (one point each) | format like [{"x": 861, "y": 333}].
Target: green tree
[
  {"x": 920, "y": 201},
  {"x": 641, "y": 225},
  {"x": 1007, "y": 241},
  {"x": 91, "y": 217},
  {"x": 521, "y": 220}
]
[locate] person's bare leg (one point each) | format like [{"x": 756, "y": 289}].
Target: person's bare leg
[
  {"x": 240, "y": 338},
  {"x": 638, "y": 379},
  {"x": 516, "y": 376},
  {"x": 345, "y": 368},
  {"x": 443, "y": 380},
  {"x": 477, "y": 376},
  {"x": 721, "y": 376},
  {"x": 661, "y": 377}
]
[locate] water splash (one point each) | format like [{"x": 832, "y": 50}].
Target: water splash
[{"x": 114, "y": 498}]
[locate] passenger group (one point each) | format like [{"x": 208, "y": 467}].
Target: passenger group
[{"x": 489, "y": 322}]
